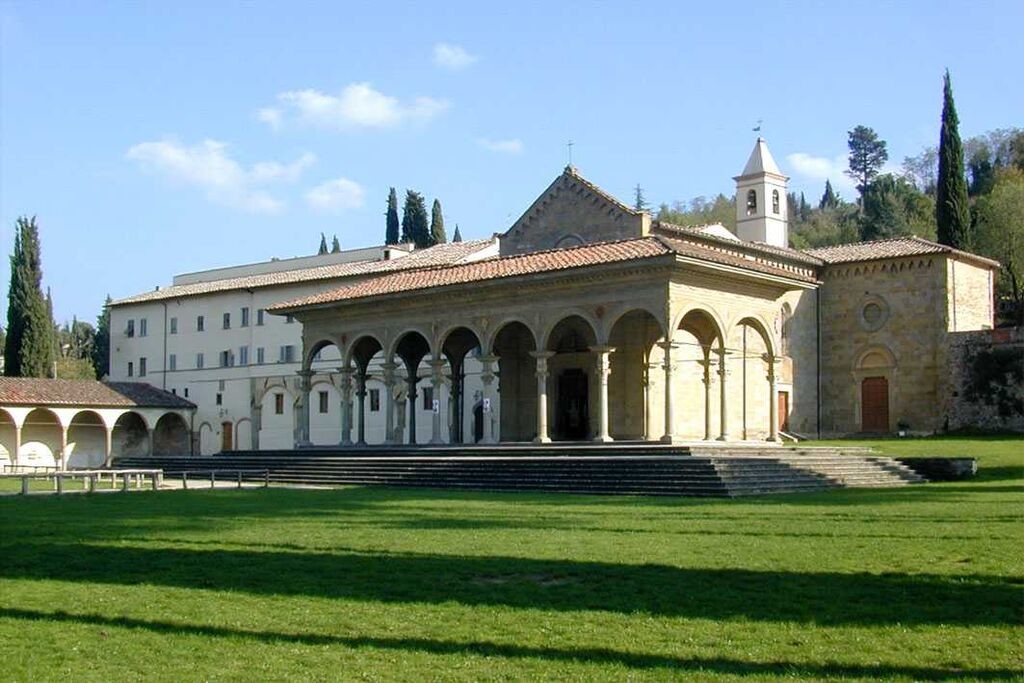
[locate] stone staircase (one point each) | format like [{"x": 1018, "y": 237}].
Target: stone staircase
[{"x": 637, "y": 469}]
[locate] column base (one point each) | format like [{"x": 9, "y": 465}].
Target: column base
[
  {"x": 723, "y": 437},
  {"x": 542, "y": 439},
  {"x": 670, "y": 438},
  {"x": 602, "y": 439},
  {"x": 773, "y": 439},
  {"x": 304, "y": 444}
]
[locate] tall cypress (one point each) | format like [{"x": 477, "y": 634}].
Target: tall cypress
[
  {"x": 437, "y": 235},
  {"x": 101, "y": 343},
  {"x": 415, "y": 228},
  {"x": 457, "y": 237},
  {"x": 323, "y": 245},
  {"x": 391, "y": 235},
  {"x": 28, "y": 348},
  {"x": 952, "y": 211},
  {"x": 828, "y": 198},
  {"x": 335, "y": 245}
]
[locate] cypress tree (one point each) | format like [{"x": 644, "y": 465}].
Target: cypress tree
[
  {"x": 391, "y": 236},
  {"x": 952, "y": 211},
  {"x": 28, "y": 348},
  {"x": 415, "y": 228},
  {"x": 828, "y": 199},
  {"x": 437, "y": 234},
  {"x": 457, "y": 237},
  {"x": 335, "y": 245},
  {"x": 323, "y": 245},
  {"x": 101, "y": 343}
]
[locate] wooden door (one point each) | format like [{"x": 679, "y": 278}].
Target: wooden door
[
  {"x": 225, "y": 437},
  {"x": 875, "y": 404},
  {"x": 783, "y": 411}
]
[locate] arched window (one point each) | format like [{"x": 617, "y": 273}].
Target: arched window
[
  {"x": 775, "y": 201},
  {"x": 751, "y": 203}
]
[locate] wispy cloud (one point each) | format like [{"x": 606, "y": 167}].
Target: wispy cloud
[
  {"x": 510, "y": 146},
  {"x": 335, "y": 196},
  {"x": 454, "y": 57},
  {"x": 820, "y": 169},
  {"x": 358, "y": 105},
  {"x": 223, "y": 180}
]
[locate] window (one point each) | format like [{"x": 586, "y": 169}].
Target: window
[
  {"x": 186, "y": 392},
  {"x": 323, "y": 402},
  {"x": 174, "y": 326},
  {"x": 245, "y": 317},
  {"x": 227, "y": 359},
  {"x": 428, "y": 398},
  {"x": 130, "y": 330},
  {"x": 174, "y": 392},
  {"x": 172, "y": 362},
  {"x": 200, "y": 323},
  {"x": 143, "y": 328},
  {"x": 279, "y": 404},
  {"x": 131, "y": 369},
  {"x": 374, "y": 400},
  {"x": 227, "y": 321},
  {"x": 289, "y": 319},
  {"x": 751, "y": 203},
  {"x": 259, "y": 316},
  {"x": 220, "y": 399},
  {"x": 287, "y": 354},
  {"x": 775, "y": 201},
  {"x": 243, "y": 355},
  {"x": 142, "y": 367},
  {"x": 261, "y": 356},
  {"x": 199, "y": 361}
]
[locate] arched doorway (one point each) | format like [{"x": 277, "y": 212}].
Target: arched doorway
[
  {"x": 874, "y": 376},
  {"x": 87, "y": 441},
  {"x": 517, "y": 383},
  {"x": 457, "y": 345},
  {"x": 227, "y": 443},
  {"x": 171, "y": 436},
  {"x": 570, "y": 370}
]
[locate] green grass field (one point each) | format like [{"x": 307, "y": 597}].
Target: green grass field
[{"x": 916, "y": 583}]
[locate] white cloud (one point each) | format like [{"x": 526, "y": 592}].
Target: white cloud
[
  {"x": 821, "y": 169},
  {"x": 223, "y": 180},
  {"x": 512, "y": 146},
  {"x": 335, "y": 196},
  {"x": 453, "y": 57},
  {"x": 358, "y": 105}
]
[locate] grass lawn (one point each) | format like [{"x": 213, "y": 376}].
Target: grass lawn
[{"x": 915, "y": 583}]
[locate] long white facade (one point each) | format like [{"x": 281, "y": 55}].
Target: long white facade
[{"x": 208, "y": 338}]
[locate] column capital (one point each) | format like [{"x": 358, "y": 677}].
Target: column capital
[
  {"x": 488, "y": 358},
  {"x": 542, "y": 355},
  {"x": 602, "y": 349},
  {"x": 669, "y": 344},
  {"x": 346, "y": 371}
]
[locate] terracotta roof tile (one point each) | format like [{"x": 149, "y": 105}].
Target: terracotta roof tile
[
  {"x": 891, "y": 248},
  {"x": 86, "y": 392},
  {"x": 697, "y": 232},
  {"x": 441, "y": 254}
]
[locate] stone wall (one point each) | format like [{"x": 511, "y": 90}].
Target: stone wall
[{"x": 986, "y": 370}]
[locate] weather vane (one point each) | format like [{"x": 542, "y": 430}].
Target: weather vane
[{"x": 757, "y": 128}]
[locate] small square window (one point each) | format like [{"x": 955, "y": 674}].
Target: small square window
[
  {"x": 323, "y": 402},
  {"x": 186, "y": 392}
]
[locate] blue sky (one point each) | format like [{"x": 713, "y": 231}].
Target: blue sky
[{"x": 157, "y": 138}]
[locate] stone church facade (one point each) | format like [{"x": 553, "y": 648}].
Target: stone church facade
[{"x": 596, "y": 322}]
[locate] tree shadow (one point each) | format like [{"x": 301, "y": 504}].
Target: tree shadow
[
  {"x": 827, "y": 598},
  {"x": 632, "y": 660}
]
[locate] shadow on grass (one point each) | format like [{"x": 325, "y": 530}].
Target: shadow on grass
[
  {"x": 633, "y": 660},
  {"x": 827, "y": 598}
]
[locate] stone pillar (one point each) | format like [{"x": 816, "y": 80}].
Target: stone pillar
[
  {"x": 436, "y": 381},
  {"x": 17, "y": 443},
  {"x": 389, "y": 402},
  {"x": 707, "y": 395},
  {"x": 64, "y": 447},
  {"x": 411, "y": 380},
  {"x": 305, "y": 385},
  {"x": 603, "y": 367},
  {"x": 149, "y": 441},
  {"x": 668, "y": 365},
  {"x": 722, "y": 396},
  {"x": 108, "y": 452},
  {"x": 257, "y": 424},
  {"x": 773, "y": 400},
  {"x": 361, "y": 395},
  {"x": 346, "y": 405},
  {"x": 542, "y": 395},
  {"x": 487, "y": 378},
  {"x": 649, "y": 371}
]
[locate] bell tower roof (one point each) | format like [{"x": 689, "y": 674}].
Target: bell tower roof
[{"x": 760, "y": 161}]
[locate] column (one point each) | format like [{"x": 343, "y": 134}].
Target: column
[
  {"x": 346, "y": 405},
  {"x": 361, "y": 395},
  {"x": 389, "y": 402},
  {"x": 487, "y": 378},
  {"x": 706, "y": 364},
  {"x": 773, "y": 400},
  {"x": 542, "y": 395},
  {"x": 305, "y": 385},
  {"x": 108, "y": 446},
  {"x": 149, "y": 440},
  {"x": 723, "y": 402},
  {"x": 17, "y": 443},
  {"x": 668, "y": 365},
  {"x": 411, "y": 380},
  {"x": 64, "y": 447},
  {"x": 436, "y": 380},
  {"x": 603, "y": 367}
]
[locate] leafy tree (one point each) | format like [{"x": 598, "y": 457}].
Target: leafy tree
[
  {"x": 952, "y": 210},
  {"x": 701, "y": 211},
  {"x": 639, "y": 201},
  {"x": 457, "y": 237},
  {"x": 414, "y": 220},
  {"x": 323, "y": 245},
  {"x": 28, "y": 349},
  {"x": 335, "y": 245},
  {"x": 922, "y": 169},
  {"x": 867, "y": 156},
  {"x": 1000, "y": 234},
  {"x": 893, "y": 207},
  {"x": 826, "y": 228},
  {"x": 391, "y": 235},
  {"x": 981, "y": 172},
  {"x": 437, "y": 235},
  {"x": 829, "y": 199},
  {"x": 101, "y": 342}
]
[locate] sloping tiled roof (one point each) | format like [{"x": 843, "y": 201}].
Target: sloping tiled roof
[
  {"x": 441, "y": 254},
  {"x": 697, "y": 231},
  {"x": 891, "y": 248},
  {"x": 760, "y": 161},
  {"x": 634, "y": 249},
  {"x": 86, "y": 392}
]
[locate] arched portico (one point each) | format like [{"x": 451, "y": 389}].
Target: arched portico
[
  {"x": 757, "y": 409},
  {"x": 633, "y": 336},
  {"x": 566, "y": 371},
  {"x": 456, "y": 344},
  {"x": 410, "y": 348},
  {"x": 694, "y": 360},
  {"x": 41, "y": 439},
  {"x": 171, "y": 435},
  {"x": 513, "y": 351},
  {"x": 357, "y": 366},
  {"x": 131, "y": 436},
  {"x": 86, "y": 444}
]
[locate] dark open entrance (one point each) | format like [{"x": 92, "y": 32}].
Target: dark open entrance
[{"x": 572, "y": 417}]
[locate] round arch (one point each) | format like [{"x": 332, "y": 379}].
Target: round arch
[
  {"x": 446, "y": 333},
  {"x": 627, "y": 310},
  {"x": 87, "y": 440},
  {"x": 171, "y": 435},
  {"x": 455, "y": 345},
  {"x": 876, "y": 399},
  {"x": 762, "y": 328},
  {"x": 396, "y": 340},
  {"x": 703, "y": 321},
  {"x": 8, "y": 438},
  {"x": 130, "y": 435},
  {"x": 362, "y": 350},
  {"x": 243, "y": 434},
  {"x": 631, "y": 396},
  {"x": 575, "y": 323},
  {"x": 497, "y": 329},
  {"x": 41, "y": 434},
  {"x": 315, "y": 348},
  {"x": 512, "y": 342}
]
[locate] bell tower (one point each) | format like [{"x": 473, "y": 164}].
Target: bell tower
[{"x": 761, "y": 205}]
